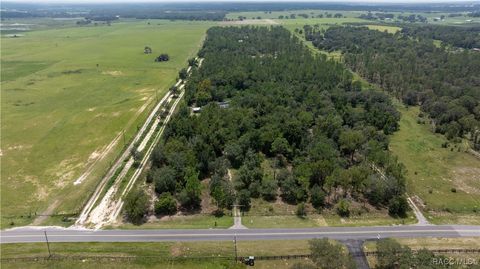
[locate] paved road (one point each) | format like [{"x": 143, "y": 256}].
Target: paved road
[{"x": 340, "y": 233}]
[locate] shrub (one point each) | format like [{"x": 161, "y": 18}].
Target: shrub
[
  {"x": 301, "y": 210},
  {"x": 244, "y": 199},
  {"x": 166, "y": 204},
  {"x": 136, "y": 206},
  {"x": 317, "y": 197},
  {"x": 269, "y": 190},
  {"x": 343, "y": 208},
  {"x": 398, "y": 206}
]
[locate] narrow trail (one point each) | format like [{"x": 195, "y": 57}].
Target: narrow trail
[
  {"x": 98, "y": 213},
  {"x": 237, "y": 214},
  {"x": 418, "y": 214},
  {"x": 98, "y": 191}
]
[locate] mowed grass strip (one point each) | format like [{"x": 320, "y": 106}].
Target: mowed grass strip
[
  {"x": 67, "y": 94},
  {"x": 214, "y": 254}
]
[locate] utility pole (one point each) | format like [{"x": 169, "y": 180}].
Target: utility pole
[
  {"x": 48, "y": 244},
  {"x": 235, "y": 245},
  {"x": 124, "y": 137}
]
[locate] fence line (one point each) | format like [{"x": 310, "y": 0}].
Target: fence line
[{"x": 241, "y": 258}]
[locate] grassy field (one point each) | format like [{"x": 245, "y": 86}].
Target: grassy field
[
  {"x": 351, "y": 16},
  {"x": 383, "y": 28},
  {"x": 446, "y": 179},
  {"x": 155, "y": 255},
  {"x": 67, "y": 95},
  {"x": 197, "y": 221},
  {"x": 276, "y": 14}
]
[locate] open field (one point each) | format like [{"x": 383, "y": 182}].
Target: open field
[
  {"x": 67, "y": 96},
  {"x": 276, "y": 14},
  {"x": 352, "y": 16},
  {"x": 197, "y": 221},
  {"x": 383, "y": 28},
  {"x": 156, "y": 255},
  {"x": 446, "y": 179}
]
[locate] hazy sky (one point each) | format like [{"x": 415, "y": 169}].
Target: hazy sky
[{"x": 144, "y": 1}]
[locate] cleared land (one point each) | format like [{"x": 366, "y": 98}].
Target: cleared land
[
  {"x": 352, "y": 16},
  {"x": 447, "y": 180},
  {"x": 68, "y": 94}
]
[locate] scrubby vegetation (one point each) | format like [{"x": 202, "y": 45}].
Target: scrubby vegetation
[{"x": 321, "y": 132}]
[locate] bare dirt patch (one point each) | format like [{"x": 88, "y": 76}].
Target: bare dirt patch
[
  {"x": 467, "y": 179},
  {"x": 94, "y": 156},
  {"x": 45, "y": 214},
  {"x": 114, "y": 73}
]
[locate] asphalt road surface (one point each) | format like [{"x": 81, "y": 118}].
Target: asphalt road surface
[{"x": 29, "y": 235}]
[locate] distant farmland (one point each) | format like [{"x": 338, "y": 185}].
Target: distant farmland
[{"x": 68, "y": 94}]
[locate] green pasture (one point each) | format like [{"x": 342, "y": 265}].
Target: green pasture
[
  {"x": 68, "y": 93},
  {"x": 446, "y": 179}
]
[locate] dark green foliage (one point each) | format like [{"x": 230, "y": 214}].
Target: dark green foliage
[
  {"x": 343, "y": 208},
  {"x": 244, "y": 200},
  {"x": 291, "y": 190},
  {"x": 393, "y": 255},
  {"x": 398, "y": 206},
  {"x": 222, "y": 191},
  {"x": 445, "y": 83},
  {"x": 183, "y": 73},
  {"x": 299, "y": 111},
  {"x": 162, "y": 58},
  {"x": 301, "y": 212},
  {"x": 164, "y": 179},
  {"x": 189, "y": 197},
  {"x": 269, "y": 189},
  {"x": 166, "y": 204},
  {"x": 330, "y": 256},
  {"x": 136, "y": 206},
  {"x": 317, "y": 197},
  {"x": 465, "y": 37}
]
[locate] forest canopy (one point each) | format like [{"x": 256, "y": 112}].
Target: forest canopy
[
  {"x": 322, "y": 133},
  {"x": 446, "y": 84}
]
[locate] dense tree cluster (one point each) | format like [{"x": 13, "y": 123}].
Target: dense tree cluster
[
  {"x": 303, "y": 113},
  {"x": 377, "y": 16},
  {"x": 464, "y": 37},
  {"x": 446, "y": 84},
  {"x": 328, "y": 255},
  {"x": 391, "y": 255},
  {"x": 412, "y": 18}
]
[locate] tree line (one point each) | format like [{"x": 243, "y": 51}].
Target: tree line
[
  {"x": 444, "y": 83},
  {"x": 390, "y": 254},
  {"x": 304, "y": 114},
  {"x": 463, "y": 37}
]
